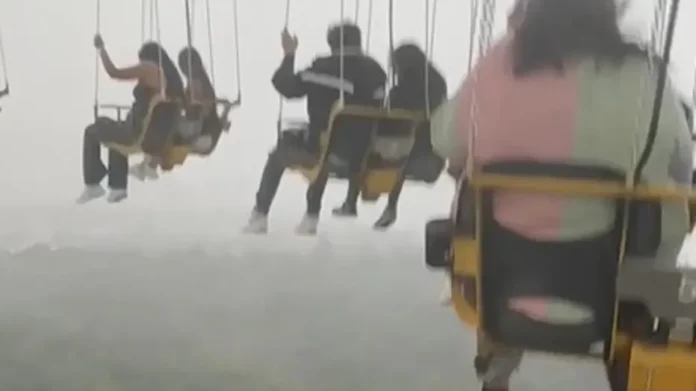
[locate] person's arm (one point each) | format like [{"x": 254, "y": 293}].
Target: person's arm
[
  {"x": 288, "y": 83},
  {"x": 135, "y": 72},
  {"x": 451, "y": 122},
  {"x": 449, "y": 129},
  {"x": 139, "y": 71}
]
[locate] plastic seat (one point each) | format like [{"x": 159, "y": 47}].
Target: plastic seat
[
  {"x": 603, "y": 296},
  {"x": 347, "y": 147},
  {"x": 549, "y": 296}
]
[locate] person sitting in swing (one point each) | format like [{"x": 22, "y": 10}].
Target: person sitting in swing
[
  {"x": 201, "y": 127},
  {"x": 409, "y": 63},
  {"x": 362, "y": 84},
  {"x": 153, "y": 69},
  {"x": 561, "y": 76},
  {"x": 204, "y": 125}
]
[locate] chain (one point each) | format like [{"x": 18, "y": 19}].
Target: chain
[
  {"x": 657, "y": 31},
  {"x": 484, "y": 43},
  {"x": 472, "y": 32},
  {"x": 654, "y": 49}
]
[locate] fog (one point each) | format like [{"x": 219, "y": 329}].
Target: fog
[{"x": 162, "y": 292}]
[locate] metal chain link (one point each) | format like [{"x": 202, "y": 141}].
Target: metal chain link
[
  {"x": 657, "y": 32},
  {"x": 472, "y": 32},
  {"x": 484, "y": 43},
  {"x": 654, "y": 49}
]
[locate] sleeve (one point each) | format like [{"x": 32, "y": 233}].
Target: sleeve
[
  {"x": 378, "y": 83},
  {"x": 288, "y": 83},
  {"x": 449, "y": 127}
]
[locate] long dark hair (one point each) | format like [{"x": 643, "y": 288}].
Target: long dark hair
[
  {"x": 555, "y": 31},
  {"x": 151, "y": 51},
  {"x": 410, "y": 64},
  {"x": 190, "y": 55}
]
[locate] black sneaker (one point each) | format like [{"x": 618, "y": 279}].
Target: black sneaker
[
  {"x": 345, "y": 210},
  {"x": 387, "y": 219}
]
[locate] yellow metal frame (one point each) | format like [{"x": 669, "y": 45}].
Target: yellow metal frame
[
  {"x": 644, "y": 368},
  {"x": 375, "y": 182}
]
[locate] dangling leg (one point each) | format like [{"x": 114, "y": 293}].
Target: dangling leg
[
  {"x": 270, "y": 180},
  {"x": 446, "y": 292},
  {"x": 118, "y": 177},
  {"x": 495, "y": 363},
  {"x": 147, "y": 168},
  {"x": 357, "y": 148},
  {"x": 107, "y": 130},
  {"x": 315, "y": 193},
  {"x": 93, "y": 170},
  {"x": 150, "y": 166},
  {"x": 389, "y": 214},
  {"x": 349, "y": 208}
]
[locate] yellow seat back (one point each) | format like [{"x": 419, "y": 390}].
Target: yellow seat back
[{"x": 375, "y": 182}]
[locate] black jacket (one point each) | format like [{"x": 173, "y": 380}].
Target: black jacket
[
  {"x": 363, "y": 84},
  {"x": 409, "y": 94}
]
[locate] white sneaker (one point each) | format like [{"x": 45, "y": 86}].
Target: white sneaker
[
  {"x": 138, "y": 171},
  {"x": 446, "y": 293},
  {"x": 308, "y": 225},
  {"x": 91, "y": 193},
  {"x": 150, "y": 172},
  {"x": 117, "y": 195},
  {"x": 258, "y": 224},
  {"x": 143, "y": 171}
]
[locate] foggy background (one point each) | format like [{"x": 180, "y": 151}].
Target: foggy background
[{"x": 162, "y": 292}]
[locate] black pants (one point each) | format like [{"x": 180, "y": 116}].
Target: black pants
[
  {"x": 106, "y": 130},
  {"x": 426, "y": 166},
  {"x": 354, "y": 191},
  {"x": 276, "y": 165}
]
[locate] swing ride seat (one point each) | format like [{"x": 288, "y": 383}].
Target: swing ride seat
[
  {"x": 388, "y": 147},
  {"x": 561, "y": 297},
  {"x": 159, "y": 107},
  {"x": 178, "y": 151}
]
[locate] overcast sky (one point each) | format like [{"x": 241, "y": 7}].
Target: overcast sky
[{"x": 51, "y": 67}]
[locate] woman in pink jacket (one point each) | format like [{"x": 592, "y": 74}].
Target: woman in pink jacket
[{"x": 564, "y": 85}]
